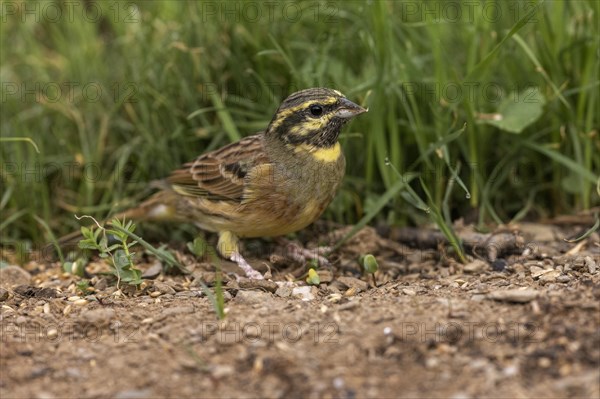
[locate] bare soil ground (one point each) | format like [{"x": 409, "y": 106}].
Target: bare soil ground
[{"x": 525, "y": 325}]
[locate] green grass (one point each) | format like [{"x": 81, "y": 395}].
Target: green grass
[{"x": 155, "y": 86}]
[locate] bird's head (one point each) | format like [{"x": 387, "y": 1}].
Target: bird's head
[{"x": 312, "y": 117}]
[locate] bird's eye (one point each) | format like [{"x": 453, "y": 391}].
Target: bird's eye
[{"x": 316, "y": 110}]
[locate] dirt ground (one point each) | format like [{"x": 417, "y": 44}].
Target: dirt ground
[{"x": 526, "y": 324}]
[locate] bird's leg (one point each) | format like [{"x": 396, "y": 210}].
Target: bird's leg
[
  {"x": 251, "y": 273},
  {"x": 300, "y": 254},
  {"x": 229, "y": 248}
]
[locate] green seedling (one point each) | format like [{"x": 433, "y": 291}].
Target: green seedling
[
  {"x": 119, "y": 254},
  {"x": 370, "y": 266},
  {"x": 76, "y": 267},
  {"x": 313, "y": 277},
  {"x": 198, "y": 247},
  {"x": 83, "y": 286}
]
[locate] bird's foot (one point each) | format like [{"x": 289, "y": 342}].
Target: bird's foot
[
  {"x": 300, "y": 254},
  {"x": 251, "y": 273}
]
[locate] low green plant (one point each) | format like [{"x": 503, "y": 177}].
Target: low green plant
[
  {"x": 119, "y": 254},
  {"x": 83, "y": 286},
  {"x": 369, "y": 265},
  {"x": 313, "y": 277}
]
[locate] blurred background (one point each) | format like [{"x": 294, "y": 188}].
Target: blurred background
[{"x": 486, "y": 111}]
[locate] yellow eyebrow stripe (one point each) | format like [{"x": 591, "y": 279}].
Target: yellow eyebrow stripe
[{"x": 281, "y": 115}]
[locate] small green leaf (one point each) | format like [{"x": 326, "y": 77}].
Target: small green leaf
[
  {"x": 198, "y": 247},
  {"x": 313, "y": 277},
  {"x": 76, "y": 268},
  {"x": 83, "y": 286},
  {"x": 519, "y": 110},
  {"x": 369, "y": 263}
]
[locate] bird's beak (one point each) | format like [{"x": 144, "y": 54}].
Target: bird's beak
[{"x": 347, "y": 109}]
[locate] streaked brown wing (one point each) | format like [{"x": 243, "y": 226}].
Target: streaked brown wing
[{"x": 219, "y": 175}]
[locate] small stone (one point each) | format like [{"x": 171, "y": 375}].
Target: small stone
[
  {"x": 163, "y": 288},
  {"x": 544, "y": 362},
  {"x": 431, "y": 362},
  {"x": 409, "y": 292},
  {"x": 338, "y": 383},
  {"x": 12, "y": 276},
  {"x": 499, "y": 265},
  {"x": 537, "y": 271},
  {"x": 325, "y": 276},
  {"x": 253, "y": 297},
  {"x": 303, "y": 292},
  {"x": 591, "y": 264},
  {"x": 477, "y": 266},
  {"x": 284, "y": 291},
  {"x": 514, "y": 295},
  {"x": 52, "y": 333},
  {"x": 153, "y": 271},
  {"x": 222, "y": 370},
  {"x": 563, "y": 279},
  {"x": 74, "y": 298},
  {"x": 80, "y": 302},
  {"x": 353, "y": 282},
  {"x": 550, "y": 277},
  {"x": 3, "y": 295}
]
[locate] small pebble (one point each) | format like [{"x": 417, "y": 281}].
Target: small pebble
[
  {"x": 254, "y": 297},
  {"x": 283, "y": 291},
  {"x": 477, "y": 266},
  {"x": 591, "y": 264},
  {"x": 153, "y": 271},
  {"x": 353, "y": 282},
  {"x": 514, "y": 295},
  {"x": 338, "y": 383},
  {"x": 303, "y": 292},
  {"x": 544, "y": 362},
  {"x": 550, "y": 277},
  {"x": 163, "y": 288}
]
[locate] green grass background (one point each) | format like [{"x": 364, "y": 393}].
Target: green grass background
[{"x": 116, "y": 94}]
